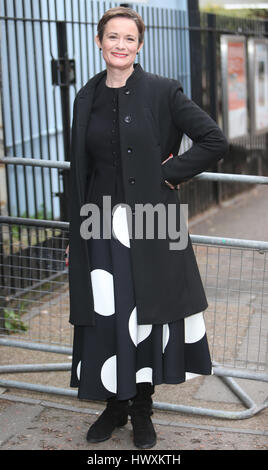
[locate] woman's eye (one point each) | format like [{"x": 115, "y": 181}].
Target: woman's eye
[{"x": 130, "y": 39}]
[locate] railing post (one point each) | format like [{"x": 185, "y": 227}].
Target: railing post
[
  {"x": 195, "y": 52},
  {"x": 3, "y": 187},
  {"x": 265, "y": 164},
  {"x": 3, "y": 203},
  {"x": 212, "y": 71},
  {"x": 63, "y": 75}
]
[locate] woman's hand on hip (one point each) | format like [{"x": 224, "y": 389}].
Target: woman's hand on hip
[
  {"x": 66, "y": 255},
  {"x": 171, "y": 186}
]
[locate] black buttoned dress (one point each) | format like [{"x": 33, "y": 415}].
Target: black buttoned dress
[{"x": 110, "y": 357}]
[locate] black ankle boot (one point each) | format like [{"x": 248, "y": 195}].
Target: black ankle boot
[
  {"x": 115, "y": 415},
  {"x": 144, "y": 435}
]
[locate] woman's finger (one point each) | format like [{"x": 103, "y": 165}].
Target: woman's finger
[
  {"x": 169, "y": 184},
  {"x": 66, "y": 255}
]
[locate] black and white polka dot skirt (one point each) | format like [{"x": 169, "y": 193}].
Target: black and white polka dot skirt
[{"x": 110, "y": 357}]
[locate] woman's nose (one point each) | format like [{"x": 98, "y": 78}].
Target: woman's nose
[{"x": 121, "y": 43}]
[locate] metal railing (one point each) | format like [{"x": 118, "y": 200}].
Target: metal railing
[
  {"x": 52, "y": 43},
  {"x": 35, "y": 315}
]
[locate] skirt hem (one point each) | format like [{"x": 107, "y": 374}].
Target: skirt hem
[{"x": 167, "y": 381}]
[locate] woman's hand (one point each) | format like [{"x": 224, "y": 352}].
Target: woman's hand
[
  {"x": 171, "y": 186},
  {"x": 66, "y": 255}
]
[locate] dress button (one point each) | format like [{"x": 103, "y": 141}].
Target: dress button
[
  {"x": 129, "y": 150},
  {"x": 132, "y": 180},
  {"x": 127, "y": 119},
  {"x": 127, "y": 92}
]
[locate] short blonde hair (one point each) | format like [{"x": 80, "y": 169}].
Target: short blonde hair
[{"x": 125, "y": 13}]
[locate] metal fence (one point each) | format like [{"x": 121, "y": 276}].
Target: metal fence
[
  {"x": 34, "y": 282},
  {"x": 247, "y": 155},
  {"x": 48, "y": 53},
  {"x": 34, "y": 302}
]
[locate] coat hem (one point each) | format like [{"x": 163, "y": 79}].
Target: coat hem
[
  {"x": 167, "y": 381},
  {"x": 193, "y": 311}
]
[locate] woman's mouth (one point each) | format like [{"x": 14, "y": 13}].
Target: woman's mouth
[{"x": 119, "y": 55}]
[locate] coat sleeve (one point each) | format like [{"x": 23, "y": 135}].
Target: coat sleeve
[
  {"x": 74, "y": 198},
  {"x": 209, "y": 143},
  {"x": 80, "y": 289}
]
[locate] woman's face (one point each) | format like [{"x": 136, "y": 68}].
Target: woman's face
[{"x": 120, "y": 43}]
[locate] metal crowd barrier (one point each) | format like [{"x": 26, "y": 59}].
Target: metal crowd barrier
[{"x": 34, "y": 309}]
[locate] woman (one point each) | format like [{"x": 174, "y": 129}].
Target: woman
[{"x": 135, "y": 303}]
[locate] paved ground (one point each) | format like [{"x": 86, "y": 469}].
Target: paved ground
[
  {"x": 38, "y": 421},
  {"x": 36, "y": 424}
]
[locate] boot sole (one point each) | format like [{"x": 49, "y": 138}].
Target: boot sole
[
  {"x": 145, "y": 446},
  {"x": 95, "y": 440}
]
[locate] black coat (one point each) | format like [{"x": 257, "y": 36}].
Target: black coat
[{"x": 153, "y": 116}]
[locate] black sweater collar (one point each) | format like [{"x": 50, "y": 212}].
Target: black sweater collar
[{"x": 93, "y": 82}]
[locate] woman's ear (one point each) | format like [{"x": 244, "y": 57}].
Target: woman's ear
[
  {"x": 97, "y": 41},
  {"x": 139, "y": 48}
]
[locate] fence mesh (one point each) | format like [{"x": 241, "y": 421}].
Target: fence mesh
[
  {"x": 34, "y": 300},
  {"x": 34, "y": 297},
  {"x": 236, "y": 283}
]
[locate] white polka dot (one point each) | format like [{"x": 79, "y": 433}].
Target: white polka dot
[
  {"x": 165, "y": 336},
  {"x": 144, "y": 375},
  {"x": 120, "y": 226},
  {"x": 108, "y": 374},
  {"x": 194, "y": 328},
  {"x": 103, "y": 292},
  {"x": 138, "y": 333},
  {"x": 78, "y": 370},
  {"x": 191, "y": 375}
]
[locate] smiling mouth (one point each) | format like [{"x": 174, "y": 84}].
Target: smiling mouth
[{"x": 117, "y": 54}]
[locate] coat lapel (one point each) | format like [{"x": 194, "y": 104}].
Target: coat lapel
[{"x": 84, "y": 105}]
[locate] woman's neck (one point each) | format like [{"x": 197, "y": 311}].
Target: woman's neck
[{"x": 117, "y": 78}]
